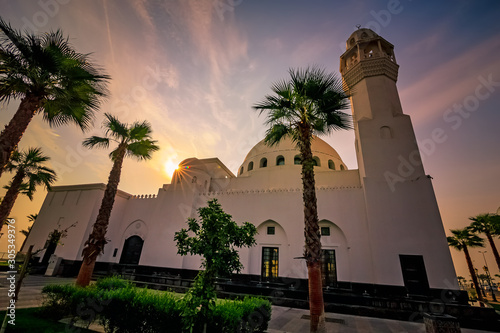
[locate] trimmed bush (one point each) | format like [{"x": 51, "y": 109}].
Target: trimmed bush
[
  {"x": 251, "y": 314},
  {"x": 112, "y": 283},
  {"x": 123, "y": 308}
]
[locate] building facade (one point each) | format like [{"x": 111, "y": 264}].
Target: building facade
[{"x": 380, "y": 224}]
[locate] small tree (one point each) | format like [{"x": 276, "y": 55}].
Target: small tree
[
  {"x": 216, "y": 238},
  {"x": 54, "y": 239}
]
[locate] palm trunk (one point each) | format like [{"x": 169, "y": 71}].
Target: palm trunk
[
  {"x": 10, "y": 197},
  {"x": 97, "y": 239},
  {"x": 13, "y": 132},
  {"x": 472, "y": 273},
  {"x": 493, "y": 248},
  {"x": 312, "y": 250}
]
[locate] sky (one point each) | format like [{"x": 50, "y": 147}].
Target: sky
[{"x": 194, "y": 68}]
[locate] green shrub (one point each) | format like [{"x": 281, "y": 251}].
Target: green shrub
[
  {"x": 123, "y": 308},
  {"x": 112, "y": 282},
  {"x": 251, "y": 314},
  {"x": 140, "y": 310},
  {"x": 57, "y": 302}
]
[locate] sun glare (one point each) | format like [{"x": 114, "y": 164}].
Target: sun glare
[{"x": 169, "y": 168}]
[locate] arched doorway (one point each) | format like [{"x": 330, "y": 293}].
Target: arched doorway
[{"x": 132, "y": 249}]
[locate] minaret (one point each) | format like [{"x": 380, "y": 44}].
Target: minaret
[
  {"x": 385, "y": 142},
  {"x": 407, "y": 239}
]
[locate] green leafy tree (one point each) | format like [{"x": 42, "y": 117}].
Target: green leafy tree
[
  {"x": 310, "y": 103},
  {"x": 54, "y": 239},
  {"x": 488, "y": 224},
  {"x": 49, "y": 77},
  {"x": 216, "y": 238},
  {"x": 30, "y": 173},
  {"x": 132, "y": 140},
  {"x": 462, "y": 240}
]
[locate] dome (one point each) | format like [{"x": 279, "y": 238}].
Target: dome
[
  {"x": 285, "y": 155},
  {"x": 358, "y": 35}
]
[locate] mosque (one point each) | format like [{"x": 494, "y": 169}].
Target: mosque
[{"x": 380, "y": 224}]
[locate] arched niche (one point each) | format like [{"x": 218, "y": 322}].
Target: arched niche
[
  {"x": 139, "y": 229},
  {"x": 386, "y": 132},
  {"x": 275, "y": 243},
  {"x": 337, "y": 242}
]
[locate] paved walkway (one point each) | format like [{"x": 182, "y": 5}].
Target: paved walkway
[{"x": 284, "y": 320}]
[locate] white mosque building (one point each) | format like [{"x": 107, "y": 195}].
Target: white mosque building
[{"x": 380, "y": 224}]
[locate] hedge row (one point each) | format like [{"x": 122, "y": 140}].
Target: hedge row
[{"x": 121, "y": 307}]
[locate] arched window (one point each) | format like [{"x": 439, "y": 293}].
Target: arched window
[
  {"x": 342, "y": 167},
  {"x": 241, "y": 170},
  {"x": 296, "y": 159},
  {"x": 331, "y": 165},
  {"x": 250, "y": 166},
  {"x": 263, "y": 162},
  {"x": 316, "y": 161},
  {"x": 280, "y": 160}
]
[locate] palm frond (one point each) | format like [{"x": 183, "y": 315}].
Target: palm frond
[
  {"x": 464, "y": 238},
  {"x": 312, "y": 97},
  {"x": 276, "y": 133},
  {"x": 114, "y": 128},
  {"x": 13, "y": 40},
  {"x": 140, "y": 130},
  {"x": 143, "y": 149},
  {"x": 96, "y": 142},
  {"x": 44, "y": 176}
]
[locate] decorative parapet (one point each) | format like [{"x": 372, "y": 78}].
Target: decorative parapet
[
  {"x": 277, "y": 190},
  {"x": 370, "y": 67},
  {"x": 144, "y": 196}
]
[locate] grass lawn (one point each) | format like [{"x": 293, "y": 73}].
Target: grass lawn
[{"x": 28, "y": 320}]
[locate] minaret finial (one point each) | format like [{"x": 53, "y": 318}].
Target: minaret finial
[{"x": 358, "y": 26}]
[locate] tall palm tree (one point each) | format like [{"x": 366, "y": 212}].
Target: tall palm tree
[
  {"x": 30, "y": 173},
  {"x": 462, "y": 240},
  {"x": 49, "y": 77},
  {"x": 309, "y": 103},
  {"x": 488, "y": 224},
  {"x": 132, "y": 140}
]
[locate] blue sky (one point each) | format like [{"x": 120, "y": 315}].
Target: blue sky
[{"x": 193, "y": 68}]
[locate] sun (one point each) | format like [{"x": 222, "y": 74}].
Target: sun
[{"x": 169, "y": 167}]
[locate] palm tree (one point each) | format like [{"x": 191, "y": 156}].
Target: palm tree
[
  {"x": 462, "y": 240},
  {"x": 26, "y": 232},
  {"x": 488, "y": 224},
  {"x": 49, "y": 77},
  {"x": 30, "y": 173},
  {"x": 310, "y": 103},
  {"x": 133, "y": 140}
]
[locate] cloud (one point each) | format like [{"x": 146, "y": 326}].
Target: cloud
[{"x": 451, "y": 82}]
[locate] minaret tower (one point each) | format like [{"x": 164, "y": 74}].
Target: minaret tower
[
  {"x": 408, "y": 243},
  {"x": 385, "y": 142}
]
